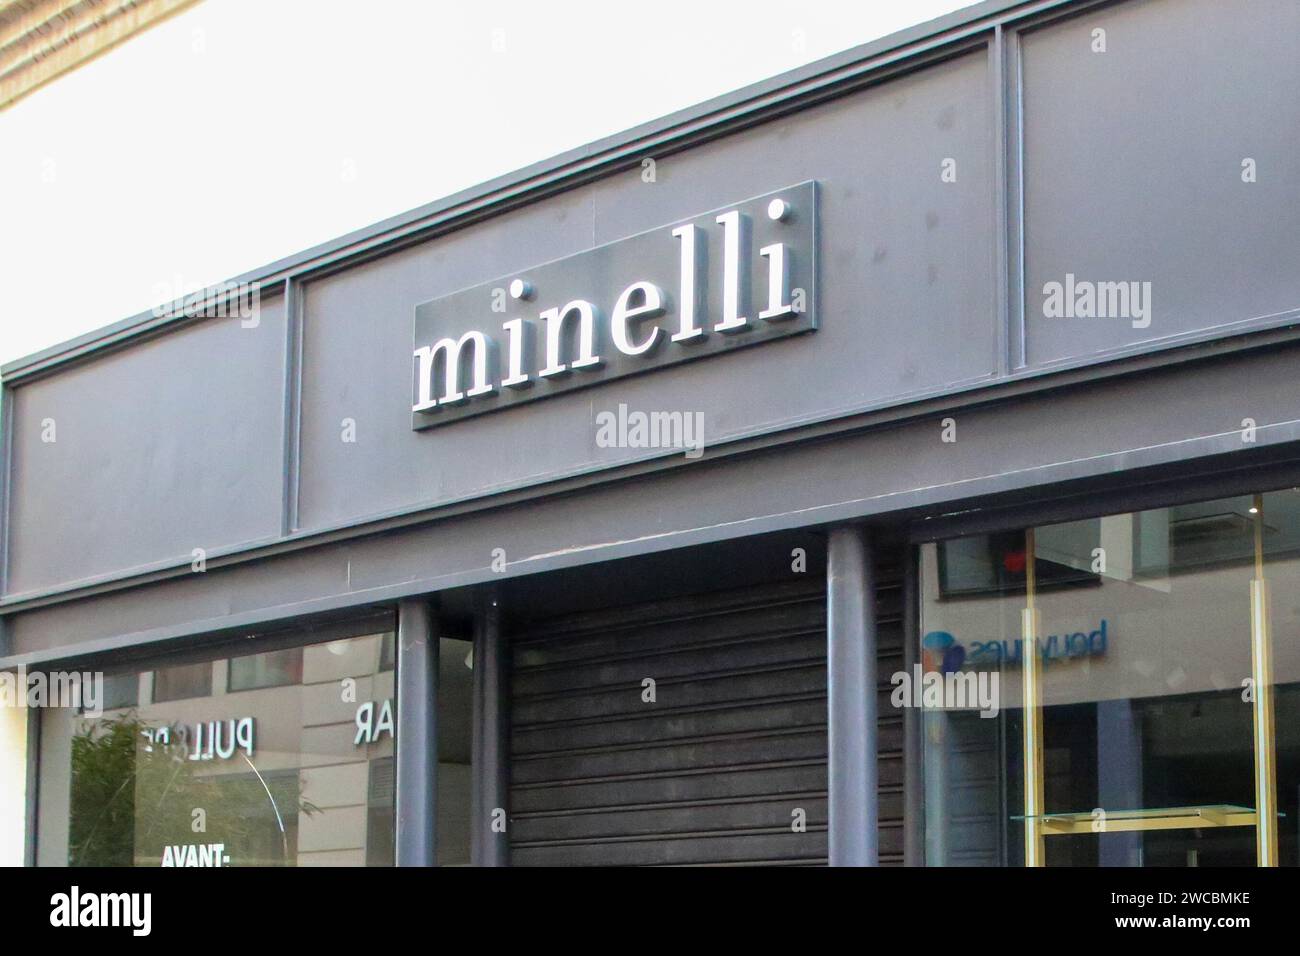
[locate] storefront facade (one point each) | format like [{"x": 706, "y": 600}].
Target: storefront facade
[{"x": 660, "y": 502}]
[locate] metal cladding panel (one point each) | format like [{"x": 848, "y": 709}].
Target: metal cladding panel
[
  {"x": 1150, "y": 419},
  {"x": 170, "y": 445},
  {"x": 714, "y": 769},
  {"x": 212, "y": 597},
  {"x": 1133, "y": 170},
  {"x": 357, "y": 362},
  {"x": 904, "y": 262}
]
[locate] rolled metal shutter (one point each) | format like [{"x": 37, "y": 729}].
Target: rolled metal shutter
[{"x": 714, "y": 770}]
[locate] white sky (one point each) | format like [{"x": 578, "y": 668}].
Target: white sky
[{"x": 242, "y": 131}]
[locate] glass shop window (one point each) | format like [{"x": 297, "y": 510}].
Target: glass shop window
[
  {"x": 1120, "y": 691},
  {"x": 120, "y": 691},
  {"x": 270, "y": 669},
  {"x": 381, "y": 823},
  {"x": 282, "y": 758},
  {"x": 182, "y": 681}
]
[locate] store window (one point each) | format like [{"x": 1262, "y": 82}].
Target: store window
[
  {"x": 381, "y": 825},
  {"x": 182, "y": 681},
  {"x": 271, "y": 669},
  {"x": 1121, "y": 691},
  {"x": 120, "y": 690},
  {"x": 263, "y": 761}
]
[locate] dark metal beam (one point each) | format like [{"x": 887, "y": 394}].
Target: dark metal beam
[
  {"x": 417, "y": 734},
  {"x": 851, "y": 699}
]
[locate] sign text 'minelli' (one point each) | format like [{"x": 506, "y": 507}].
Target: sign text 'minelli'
[{"x": 723, "y": 280}]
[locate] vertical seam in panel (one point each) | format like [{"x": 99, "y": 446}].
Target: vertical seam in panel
[
  {"x": 1013, "y": 154},
  {"x": 291, "y": 415},
  {"x": 1001, "y": 247}
]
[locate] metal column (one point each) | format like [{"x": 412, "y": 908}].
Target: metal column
[
  {"x": 32, "y": 796},
  {"x": 913, "y": 729},
  {"x": 417, "y": 734},
  {"x": 1261, "y": 670},
  {"x": 1031, "y": 668},
  {"x": 851, "y": 703},
  {"x": 489, "y": 841}
]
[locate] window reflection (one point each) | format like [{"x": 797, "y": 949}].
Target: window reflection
[
  {"x": 255, "y": 760},
  {"x": 1144, "y": 641},
  {"x": 182, "y": 681},
  {"x": 271, "y": 669}
]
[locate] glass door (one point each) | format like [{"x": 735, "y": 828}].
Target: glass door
[{"x": 1138, "y": 694}]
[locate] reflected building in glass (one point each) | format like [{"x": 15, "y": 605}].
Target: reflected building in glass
[
  {"x": 279, "y": 758},
  {"x": 1167, "y": 652}
]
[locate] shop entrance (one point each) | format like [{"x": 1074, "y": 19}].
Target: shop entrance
[{"x": 656, "y": 721}]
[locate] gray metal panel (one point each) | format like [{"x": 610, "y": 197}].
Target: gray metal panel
[
  {"x": 1133, "y": 167},
  {"x": 357, "y": 365},
  {"x": 1129, "y": 423},
  {"x": 389, "y": 476},
  {"x": 1140, "y": 420},
  {"x": 219, "y": 598},
  {"x": 900, "y": 251},
  {"x": 905, "y": 259},
  {"x": 711, "y": 771},
  {"x": 168, "y": 446}
]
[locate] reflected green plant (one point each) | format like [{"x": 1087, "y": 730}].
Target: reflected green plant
[{"x": 132, "y": 798}]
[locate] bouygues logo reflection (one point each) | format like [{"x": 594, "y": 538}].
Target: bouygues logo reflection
[{"x": 942, "y": 652}]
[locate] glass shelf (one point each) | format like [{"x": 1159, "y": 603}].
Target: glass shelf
[{"x": 1165, "y": 818}]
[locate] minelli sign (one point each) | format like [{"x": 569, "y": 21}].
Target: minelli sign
[{"x": 724, "y": 280}]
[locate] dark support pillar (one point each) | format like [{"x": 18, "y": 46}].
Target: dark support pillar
[
  {"x": 489, "y": 844},
  {"x": 417, "y": 734},
  {"x": 851, "y": 704},
  {"x": 33, "y": 782},
  {"x": 913, "y": 752}
]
